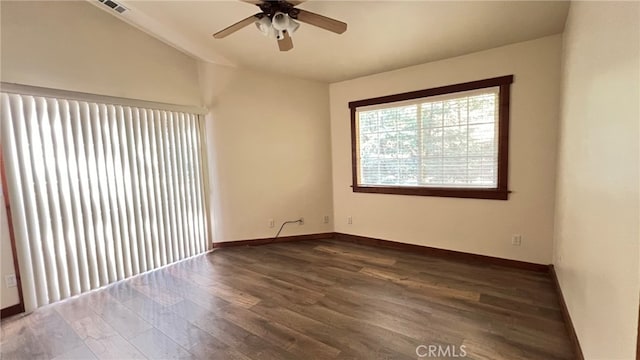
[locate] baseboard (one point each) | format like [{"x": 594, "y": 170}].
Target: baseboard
[
  {"x": 253, "y": 242},
  {"x": 11, "y": 310},
  {"x": 426, "y": 250},
  {"x": 442, "y": 253},
  {"x": 565, "y": 315}
]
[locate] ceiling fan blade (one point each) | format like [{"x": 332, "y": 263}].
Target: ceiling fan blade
[
  {"x": 323, "y": 22},
  {"x": 254, "y": 2},
  {"x": 295, "y": 2},
  {"x": 286, "y": 43},
  {"x": 237, "y": 26}
]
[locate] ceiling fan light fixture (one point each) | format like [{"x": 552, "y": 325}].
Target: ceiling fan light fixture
[
  {"x": 293, "y": 26},
  {"x": 283, "y": 22},
  {"x": 264, "y": 25},
  {"x": 280, "y": 21}
]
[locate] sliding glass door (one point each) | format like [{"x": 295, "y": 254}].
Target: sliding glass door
[{"x": 100, "y": 192}]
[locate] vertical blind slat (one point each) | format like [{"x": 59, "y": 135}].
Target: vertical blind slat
[
  {"x": 196, "y": 184},
  {"x": 51, "y": 217},
  {"x": 96, "y": 206},
  {"x": 99, "y": 192},
  {"x": 53, "y": 197},
  {"x": 105, "y": 206},
  {"x": 22, "y": 114},
  {"x": 187, "y": 180},
  {"x": 34, "y": 115},
  {"x": 193, "y": 184},
  {"x": 107, "y": 140},
  {"x": 29, "y": 279},
  {"x": 190, "y": 189},
  {"x": 205, "y": 188},
  {"x": 118, "y": 166},
  {"x": 170, "y": 176},
  {"x": 162, "y": 252},
  {"x": 76, "y": 114},
  {"x": 143, "y": 177},
  {"x": 150, "y": 170},
  {"x": 199, "y": 182},
  {"x": 62, "y": 170},
  {"x": 74, "y": 193},
  {"x": 176, "y": 184},
  {"x": 162, "y": 117},
  {"x": 137, "y": 186},
  {"x": 125, "y": 124}
]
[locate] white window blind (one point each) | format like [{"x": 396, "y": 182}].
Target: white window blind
[
  {"x": 441, "y": 141},
  {"x": 99, "y": 192}
]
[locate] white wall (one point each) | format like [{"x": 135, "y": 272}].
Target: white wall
[
  {"x": 76, "y": 46},
  {"x": 469, "y": 225},
  {"x": 597, "y": 215},
  {"x": 73, "y": 45},
  {"x": 269, "y": 154}
]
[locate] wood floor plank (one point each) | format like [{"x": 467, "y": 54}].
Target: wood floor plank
[
  {"x": 337, "y": 251},
  {"x": 156, "y": 345},
  {"x": 113, "y": 347},
  {"x": 242, "y": 340},
  {"x": 82, "y": 352},
  {"x": 92, "y": 327},
  {"x": 192, "y": 311},
  {"x": 22, "y": 344},
  {"x": 126, "y": 322},
  {"x": 286, "y": 338},
  {"x": 320, "y": 299},
  {"x": 55, "y": 334}
]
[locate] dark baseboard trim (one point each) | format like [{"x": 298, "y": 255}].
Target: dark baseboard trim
[
  {"x": 426, "y": 250},
  {"x": 11, "y": 310},
  {"x": 442, "y": 253},
  {"x": 577, "y": 350},
  {"x": 265, "y": 241}
]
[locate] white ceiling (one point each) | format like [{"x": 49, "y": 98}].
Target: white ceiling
[{"x": 382, "y": 35}]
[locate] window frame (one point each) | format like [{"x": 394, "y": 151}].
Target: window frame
[{"x": 501, "y": 192}]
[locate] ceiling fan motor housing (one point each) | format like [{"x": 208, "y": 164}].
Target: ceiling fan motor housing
[{"x": 271, "y": 8}]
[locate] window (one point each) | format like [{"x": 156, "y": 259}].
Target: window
[{"x": 449, "y": 141}]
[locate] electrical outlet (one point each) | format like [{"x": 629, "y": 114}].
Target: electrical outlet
[
  {"x": 325, "y": 219},
  {"x": 272, "y": 223},
  {"x": 301, "y": 222},
  {"x": 349, "y": 220},
  {"x": 11, "y": 281},
  {"x": 516, "y": 240}
]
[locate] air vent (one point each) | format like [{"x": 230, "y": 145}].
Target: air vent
[
  {"x": 111, "y": 4},
  {"x": 114, "y": 5}
]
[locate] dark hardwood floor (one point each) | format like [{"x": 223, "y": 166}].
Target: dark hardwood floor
[{"x": 305, "y": 300}]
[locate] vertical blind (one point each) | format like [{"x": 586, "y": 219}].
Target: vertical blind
[{"x": 99, "y": 192}]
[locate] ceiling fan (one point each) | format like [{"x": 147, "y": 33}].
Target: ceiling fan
[{"x": 278, "y": 19}]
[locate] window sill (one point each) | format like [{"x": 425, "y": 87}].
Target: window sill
[{"x": 491, "y": 194}]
